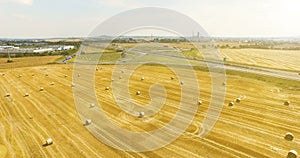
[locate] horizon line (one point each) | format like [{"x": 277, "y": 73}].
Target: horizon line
[{"x": 82, "y": 37}]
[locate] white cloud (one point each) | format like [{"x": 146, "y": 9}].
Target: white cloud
[
  {"x": 22, "y": 2},
  {"x": 121, "y": 3}
]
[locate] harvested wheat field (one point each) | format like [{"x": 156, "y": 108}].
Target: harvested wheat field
[
  {"x": 270, "y": 58},
  {"x": 253, "y": 127},
  {"x": 27, "y": 61}
]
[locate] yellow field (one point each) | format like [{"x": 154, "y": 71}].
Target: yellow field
[
  {"x": 27, "y": 61},
  {"x": 255, "y": 127},
  {"x": 279, "y": 59}
]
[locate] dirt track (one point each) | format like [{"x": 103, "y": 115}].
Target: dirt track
[{"x": 253, "y": 128}]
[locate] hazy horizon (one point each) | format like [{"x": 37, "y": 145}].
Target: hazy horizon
[{"x": 82, "y": 37}]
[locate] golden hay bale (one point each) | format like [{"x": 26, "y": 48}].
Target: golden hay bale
[
  {"x": 172, "y": 78},
  {"x": 66, "y": 75},
  {"x": 78, "y": 75},
  {"x": 7, "y": 95},
  {"x": 73, "y": 85},
  {"x": 231, "y": 103},
  {"x": 122, "y": 71},
  {"x": 238, "y": 100},
  {"x": 112, "y": 80},
  {"x": 92, "y": 105},
  {"x": 292, "y": 154},
  {"x": 138, "y": 93},
  {"x": 46, "y": 74},
  {"x": 199, "y": 102},
  {"x": 142, "y": 78},
  {"x": 88, "y": 122},
  {"x": 19, "y": 76},
  {"x": 26, "y": 94},
  {"x": 41, "y": 89},
  {"x": 224, "y": 84},
  {"x": 32, "y": 75},
  {"x": 106, "y": 88},
  {"x": 181, "y": 82},
  {"x": 141, "y": 114},
  {"x": 287, "y": 103},
  {"x": 289, "y": 136},
  {"x": 52, "y": 83},
  {"x": 49, "y": 141},
  {"x": 120, "y": 77},
  {"x": 97, "y": 68}
]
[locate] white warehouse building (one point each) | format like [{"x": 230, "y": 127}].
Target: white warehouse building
[{"x": 43, "y": 50}]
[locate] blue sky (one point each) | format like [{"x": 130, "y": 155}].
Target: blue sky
[{"x": 74, "y": 18}]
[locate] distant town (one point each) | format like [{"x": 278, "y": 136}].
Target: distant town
[
  {"x": 15, "y": 49},
  {"x": 20, "y": 48}
]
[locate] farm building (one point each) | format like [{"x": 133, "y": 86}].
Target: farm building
[{"x": 43, "y": 50}]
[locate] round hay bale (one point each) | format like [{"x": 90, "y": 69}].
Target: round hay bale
[
  {"x": 238, "y": 100},
  {"x": 289, "y": 136},
  {"x": 181, "y": 82},
  {"x": 7, "y": 95},
  {"x": 199, "y": 102},
  {"x": 231, "y": 103},
  {"x": 26, "y": 94},
  {"x": 224, "y": 83},
  {"x": 52, "y": 83},
  {"x": 122, "y": 71},
  {"x": 88, "y": 122},
  {"x": 73, "y": 85},
  {"x": 292, "y": 154},
  {"x": 49, "y": 141},
  {"x": 142, "y": 78},
  {"x": 112, "y": 80},
  {"x": 120, "y": 77},
  {"x": 97, "y": 68},
  {"x": 106, "y": 88},
  {"x": 92, "y": 105},
  {"x": 172, "y": 78},
  {"x": 287, "y": 103},
  {"x": 46, "y": 74},
  {"x": 32, "y": 75},
  {"x": 78, "y": 75},
  {"x": 20, "y": 76},
  {"x": 141, "y": 114},
  {"x": 66, "y": 75},
  {"x": 41, "y": 89},
  {"x": 138, "y": 93}
]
